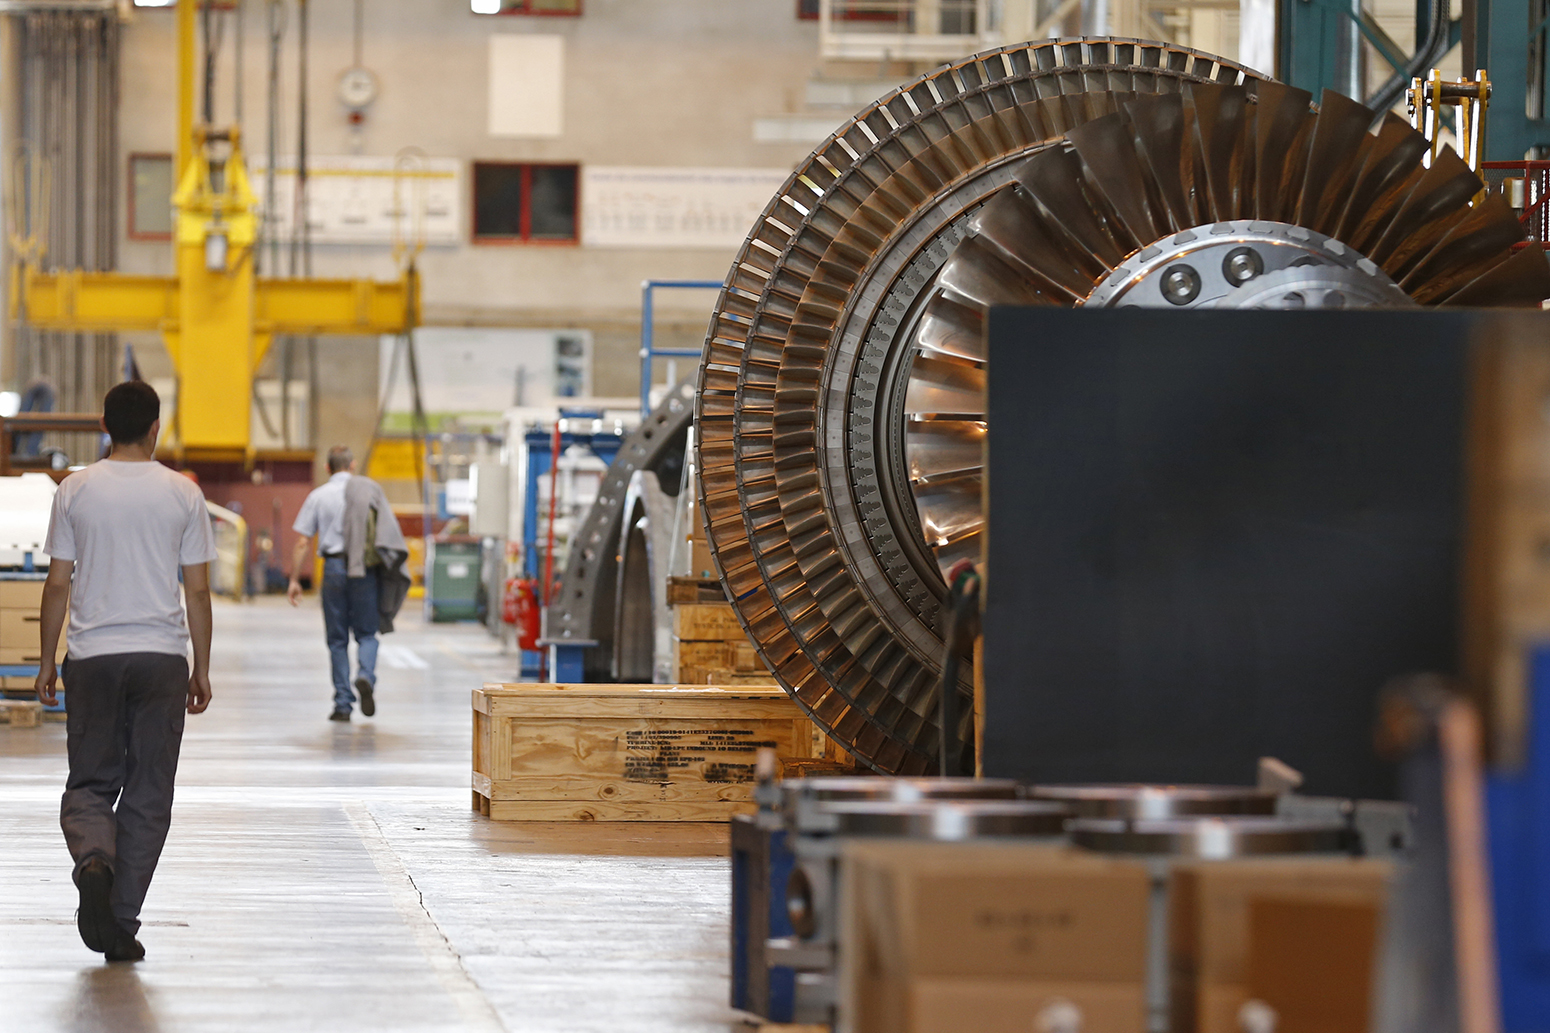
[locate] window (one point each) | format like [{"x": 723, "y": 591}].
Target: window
[
  {"x": 564, "y": 8},
  {"x": 150, "y": 197},
  {"x": 524, "y": 203}
]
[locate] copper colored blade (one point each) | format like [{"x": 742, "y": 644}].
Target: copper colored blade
[
  {"x": 1016, "y": 230},
  {"x": 1486, "y": 233},
  {"x": 1282, "y": 128},
  {"x": 935, "y": 448},
  {"x": 942, "y": 386},
  {"x": 1219, "y": 123},
  {"x": 1394, "y": 155},
  {"x": 1332, "y": 156},
  {"x": 1448, "y": 185},
  {"x": 1521, "y": 281},
  {"x": 950, "y": 508},
  {"x": 1053, "y": 177},
  {"x": 1108, "y": 151},
  {"x": 953, "y": 328},
  {"x": 978, "y": 273},
  {"x": 1157, "y": 124}
]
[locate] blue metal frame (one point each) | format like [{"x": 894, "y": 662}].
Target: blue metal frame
[
  {"x": 539, "y": 444},
  {"x": 648, "y": 350}
]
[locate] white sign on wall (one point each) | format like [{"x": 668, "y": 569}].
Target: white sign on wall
[
  {"x": 487, "y": 370},
  {"x": 527, "y": 76},
  {"x": 673, "y": 207},
  {"x": 361, "y": 200}
]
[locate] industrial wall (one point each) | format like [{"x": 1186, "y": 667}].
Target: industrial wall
[{"x": 676, "y": 83}]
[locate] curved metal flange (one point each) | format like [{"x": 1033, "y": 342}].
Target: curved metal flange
[{"x": 586, "y": 605}]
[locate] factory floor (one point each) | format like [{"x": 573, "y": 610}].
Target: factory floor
[{"x": 324, "y": 876}]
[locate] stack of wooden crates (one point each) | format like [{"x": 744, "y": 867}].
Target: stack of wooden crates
[
  {"x": 709, "y": 645},
  {"x": 21, "y": 600}
]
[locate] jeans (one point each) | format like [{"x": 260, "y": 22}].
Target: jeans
[
  {"x": 349, "y": 606},
  {"x": 123, "y": 731}
]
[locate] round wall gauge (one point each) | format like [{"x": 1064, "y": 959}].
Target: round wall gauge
[{"x": 357, "y": 87}]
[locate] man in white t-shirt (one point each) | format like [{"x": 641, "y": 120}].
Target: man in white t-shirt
[{"x": 121, "y": 531}]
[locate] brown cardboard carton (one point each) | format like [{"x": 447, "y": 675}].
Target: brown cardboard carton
[
  {"x": 1312, "y": 961},
  {"x": 1211, "y": 904},
  {"x": 993, "y": 1006},
  {"x": 929, "y": 926},
  {"x": 21, "y": 595}
]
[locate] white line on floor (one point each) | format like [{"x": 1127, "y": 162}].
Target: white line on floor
[
  {"x": 402, "y": 658},
  {"x": 478, "y": 1015}
]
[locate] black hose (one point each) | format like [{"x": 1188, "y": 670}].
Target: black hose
[
  {"x": 1428, "y": 55},
  {"x": 962, "y": 627}
]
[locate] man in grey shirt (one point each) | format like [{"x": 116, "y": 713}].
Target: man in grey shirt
[
  {"x": 350, "y": 596},
  {"x": 121, "y": 531}
]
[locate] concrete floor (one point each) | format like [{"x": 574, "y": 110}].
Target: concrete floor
[{"x": 332, "y": 877}]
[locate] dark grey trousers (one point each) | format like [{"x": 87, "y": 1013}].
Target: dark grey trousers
[{"x": 124, "y": 724}]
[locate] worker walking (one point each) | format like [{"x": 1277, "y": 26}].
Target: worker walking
[
  {"x": 363, "y": 551},
  {"x": 120, "y": 531}
]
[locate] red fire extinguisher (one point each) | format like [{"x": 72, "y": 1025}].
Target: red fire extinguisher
[{"x": 520, "y": 608}]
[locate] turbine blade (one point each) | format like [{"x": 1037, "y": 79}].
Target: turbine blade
[
  {"x": 1446, "y": 186},
  {"x": 943, "y": 386},
  {"x": 935, "y": 448},
  {"x": 1394, "y": 156},
  {"x": 1219, "y": 123},
  {"x": 1283, "y": 125},
  {"x": 1053, "y": 177},
  {"x": 952, "y": 328},
  {"x": 1337, "y": 139},
  {"x": 1010, "y": 222},
  {"x": 1521, "y": 281},
  {"x": 1488, "y": 231},
  {"x": 1108, "y": 152},
  {"x": 1158, "y": 126}
]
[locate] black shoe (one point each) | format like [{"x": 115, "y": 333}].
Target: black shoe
[
  {"x": 368, "y": 701},
  {"x": 339, "y": 715},
  {"x": 125, "y": 947},
  {"x": 94, "y": 920}
]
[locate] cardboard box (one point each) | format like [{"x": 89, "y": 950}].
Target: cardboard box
[
  {"x": 978, "y": 938},
  {"x": 21, "y": 595},
  {"x": 1211, "y": 926},
  {"x": 19, "y": 629},
  {"x": 1312, "y": 961}
]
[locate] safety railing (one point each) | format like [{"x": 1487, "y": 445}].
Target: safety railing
[{"x": 907, "y": 30}]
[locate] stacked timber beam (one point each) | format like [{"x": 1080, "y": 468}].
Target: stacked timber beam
[{"x": 21, "y": 602}]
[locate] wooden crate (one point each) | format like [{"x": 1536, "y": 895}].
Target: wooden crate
[
  {"x": 20, "y": 713},
  {"x": 628, "y": 752},
  {"x": 706, "y": 622}
]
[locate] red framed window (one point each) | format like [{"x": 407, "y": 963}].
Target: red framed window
[
  {"x": 885, "y": 11},
  {"x": 559, "y": 8},
  {"x": 525, "y": 203},
  {"x": 151, "y": 183}
]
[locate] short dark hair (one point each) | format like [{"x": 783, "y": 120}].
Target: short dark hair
[
  {"x": 129, "y": 409},
  {"x": 339, "y": 458}
]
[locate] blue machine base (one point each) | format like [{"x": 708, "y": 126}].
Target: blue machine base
[{"x": 1519, "y": 813}]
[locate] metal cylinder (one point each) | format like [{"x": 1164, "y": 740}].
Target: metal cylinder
[
  {"x": 950, "y": 821},
  {"x": 1210, "y": 838},
  {"x": 1127, "y": 800}
]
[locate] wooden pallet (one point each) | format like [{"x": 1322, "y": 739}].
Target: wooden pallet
[
  {"x": 20, "y": 713},
  {"x": 628, "y": 752}
]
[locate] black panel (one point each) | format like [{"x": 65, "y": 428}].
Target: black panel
[{"x": 1215, "y": 535}]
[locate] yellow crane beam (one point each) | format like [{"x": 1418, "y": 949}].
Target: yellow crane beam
[
  {"x": 216, "y": 316},
  {"x": 85, "y": 302}
]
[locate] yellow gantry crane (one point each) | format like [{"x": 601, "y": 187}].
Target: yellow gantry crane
[{"x": 216, "y": 315}]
